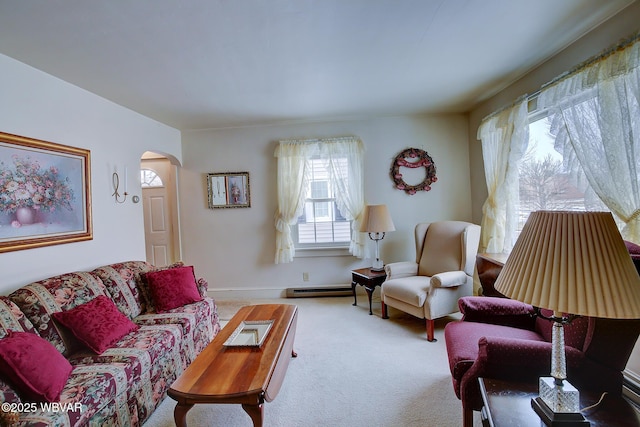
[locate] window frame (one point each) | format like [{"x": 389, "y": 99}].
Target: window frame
[{"x": 332, "y": 248}]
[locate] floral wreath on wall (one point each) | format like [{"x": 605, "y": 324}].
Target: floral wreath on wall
[{"x": 416, "y": 159}]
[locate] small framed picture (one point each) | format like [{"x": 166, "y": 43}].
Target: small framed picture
[{"x": 228, "y": 190}]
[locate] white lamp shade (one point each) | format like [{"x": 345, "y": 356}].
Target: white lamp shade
[
  {"x": 574, "y": 263},
  {"x": 376, "y": 219}
]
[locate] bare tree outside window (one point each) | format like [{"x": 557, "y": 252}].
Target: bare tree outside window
[{"x": 544, "y": 182}]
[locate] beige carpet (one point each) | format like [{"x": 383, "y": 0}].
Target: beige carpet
[{"x": 352, "y": 369}]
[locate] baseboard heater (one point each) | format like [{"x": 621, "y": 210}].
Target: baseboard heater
[{"x": 327, "y": 291}]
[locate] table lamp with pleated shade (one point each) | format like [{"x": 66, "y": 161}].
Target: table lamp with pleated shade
[{"x": 576, "y": 264}]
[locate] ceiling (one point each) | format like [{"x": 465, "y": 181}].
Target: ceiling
[{"x": 196, "y": 64}]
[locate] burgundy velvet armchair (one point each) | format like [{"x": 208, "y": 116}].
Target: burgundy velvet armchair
[{"x": 501, "y": 338}]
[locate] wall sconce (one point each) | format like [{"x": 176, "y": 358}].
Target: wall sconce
[{"x": 116, "y": 186}]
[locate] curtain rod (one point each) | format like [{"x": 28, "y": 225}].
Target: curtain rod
[{"x": 619, "y": 46}]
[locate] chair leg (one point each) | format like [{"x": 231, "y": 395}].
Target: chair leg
[
  {"x": 430, "y": 330},
  {"x": 383, "y": 307},
  {"x": 467, "y": 417}
]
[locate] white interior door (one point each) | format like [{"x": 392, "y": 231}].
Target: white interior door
[{"x": 159, "y": 216}]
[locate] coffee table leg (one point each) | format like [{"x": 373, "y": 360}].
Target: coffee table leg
[
  {"x": 180, "y": 414},
  {"x": 255, "y": 412}
]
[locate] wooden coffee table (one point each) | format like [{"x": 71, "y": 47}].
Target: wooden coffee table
[{"x": 248, "y": 376}]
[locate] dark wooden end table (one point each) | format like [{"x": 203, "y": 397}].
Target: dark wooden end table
[
  {"x": 367, "y": 278},
  {"x": 489, "y": 267},
  {"x": 508, "y": 404}
]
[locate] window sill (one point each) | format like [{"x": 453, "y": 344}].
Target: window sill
[{"x": 321, "y": 252}]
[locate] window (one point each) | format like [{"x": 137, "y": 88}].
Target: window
[
  {"x": 149, "y": 178},
  {"x": 321, "y": 223},
  {"x": 545, "y": 183},
  {"x": 320, "y": 197}
]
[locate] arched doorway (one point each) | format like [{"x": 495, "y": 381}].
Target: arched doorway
[{"x": 158, "y": 179}]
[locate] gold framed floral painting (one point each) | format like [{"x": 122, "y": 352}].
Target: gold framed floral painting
[{"x": 45, "y": 193}]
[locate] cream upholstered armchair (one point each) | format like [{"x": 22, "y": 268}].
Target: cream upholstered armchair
[{"x": 429, "y": 288}]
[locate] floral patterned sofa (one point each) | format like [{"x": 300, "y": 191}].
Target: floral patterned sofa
[{"x": 100, "y": 347}]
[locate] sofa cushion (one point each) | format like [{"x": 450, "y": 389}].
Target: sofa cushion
[
  {"x": 97, "y": 323},
  {"x": 23, "y": 354},
  {"x": 150, "y": 359},
  {"x": 198, "y": 322},
  {"x": 121, "y": 280},
  {"x": 172, "y": 288},
  {"x": 39, "y": 300},
  {"x": 12, "y": 319},
  {"x": 92, "y": 394}
]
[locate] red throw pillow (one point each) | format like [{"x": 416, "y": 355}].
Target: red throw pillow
[
  {"x": 173, "y": 288},
  {"x": 23, "y": 354},
  {"x": 97, "y": 323}
]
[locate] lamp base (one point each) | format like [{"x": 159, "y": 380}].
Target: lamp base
[
  {"x": 557, "y": 419},
  {"x": 558, "y": 405},
  {"x": 377, "y": 264}
]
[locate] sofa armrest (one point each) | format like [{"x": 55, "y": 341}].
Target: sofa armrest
[
  {"x": 396, "y": 270},
  {"x": 449, "y": 279},
  {"x": 497, "y": 311},
  {"x": 203, "y": 287}
]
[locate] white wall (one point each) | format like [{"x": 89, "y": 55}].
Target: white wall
[
  {"x": 617, "y": 28},
  {"x": 37, "y": 105},
  {"x": 234, "y": 248},
  {"x": 621, "y": 26}
]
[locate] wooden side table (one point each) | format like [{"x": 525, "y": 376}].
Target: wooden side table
[
  {"x": 367, "y": 278},
  {"x": 508, "y": 404},
  {"x": 489, "y": 266}
]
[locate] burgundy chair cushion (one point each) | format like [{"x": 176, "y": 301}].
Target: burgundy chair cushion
[
  {"x": 23, "y": 355},
  {"x": 575, "y": 332},
  {"x": 632, "y": 248},
  {"x": 97, "y": 323},
  {"x": 500, "y": 311}
]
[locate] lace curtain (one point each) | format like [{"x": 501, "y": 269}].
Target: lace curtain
[
  {"x": 504, "y": 137},
  {"x": 348, "y": 185},
  {"x": 293, "y": 157},
  {"x": 595, "y": 116}
]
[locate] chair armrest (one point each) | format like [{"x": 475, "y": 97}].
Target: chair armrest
[
  {"x": 396, "y": 270},
  {"x": 449, "y": 279},
  {"x": 497, "y": 311},
  {"x": 511, "y": 358}
]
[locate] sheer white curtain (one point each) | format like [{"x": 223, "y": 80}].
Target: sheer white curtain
[
  {"x": 293, "y": 157},
  {"x": 292, "y": 184},
  {"x": 348, "y": 185},
  {"x": 596, "y": 120},
  {"x": 504, "y": 137}
]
